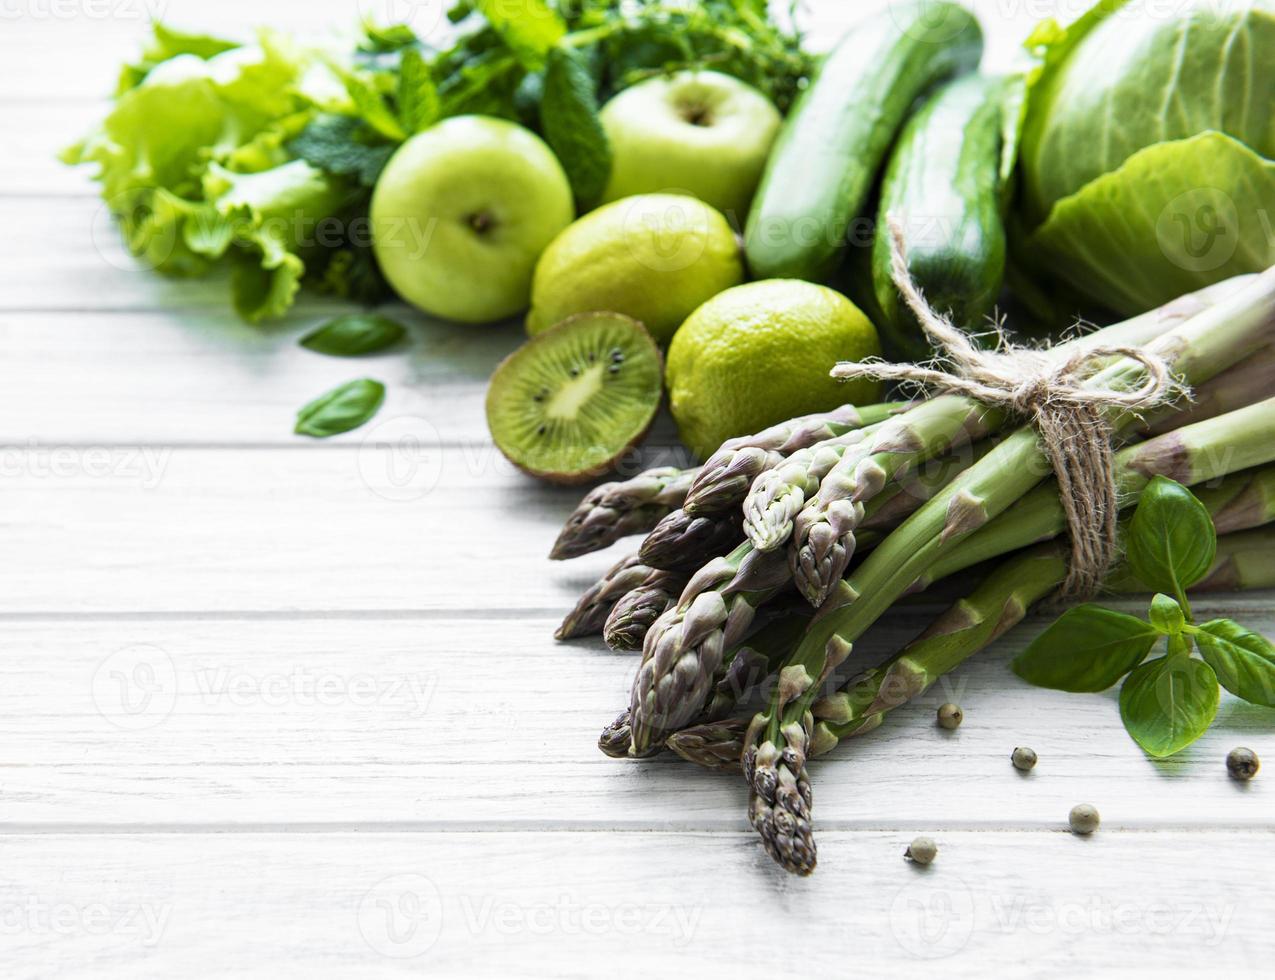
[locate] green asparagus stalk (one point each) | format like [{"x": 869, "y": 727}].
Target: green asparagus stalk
[
  {"x": 685, "y": 541},
  {"x": 685, "y": 646},
  {"x": 743, "y": 668},
  {"x": 1249, "y": 381},
  {"x": 823, "y": 535},
  {"x": 725, "y": 478},
  {"x": 1245, "y": 560},
  {"x": 898, "y": 501},
  {"x": 778, "y": 739},
  {"x": 1191, "y": 455},
  {"x": 678, "y": 662},
  {"x": 592, "y": 608},
  {"x": 611, "y": 511},
  {"x": 632, "y": 616}
]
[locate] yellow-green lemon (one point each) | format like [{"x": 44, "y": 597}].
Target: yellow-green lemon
[
  {"x": 653, "y": 257},
  {"x": 758, "y": 354}
]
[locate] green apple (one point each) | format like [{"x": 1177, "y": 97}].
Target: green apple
[
  {"x": 461, "y": 214},
  {"x": 700, "y": 133}
]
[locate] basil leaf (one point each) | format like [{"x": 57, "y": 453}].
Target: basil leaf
[
  {"x": 570, "y": 123},
  {"x": 1167, "y": 703},
  {"x": 341, "y": 409},
  {"x": 1244, "y": 661},
  {"x": 354, "y": 334},
  {"x": 418, "y": 103},
  {"x": 1172, "y": 541},
  {"x": 1166, "y": 615},
  {"x": 1088, "y": 648}
]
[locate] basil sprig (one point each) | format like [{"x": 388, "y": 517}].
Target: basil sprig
[{"x": 1170, "y": 701}]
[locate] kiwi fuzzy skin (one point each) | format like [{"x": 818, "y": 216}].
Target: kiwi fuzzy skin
[{"x": 578, "y": 478}]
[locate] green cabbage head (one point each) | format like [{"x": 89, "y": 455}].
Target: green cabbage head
[{"x": 1146, "y": 158}]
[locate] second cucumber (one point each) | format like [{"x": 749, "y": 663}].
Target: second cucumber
[{"x": 945, "y": 186}]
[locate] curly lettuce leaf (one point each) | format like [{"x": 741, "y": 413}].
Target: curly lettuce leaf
[
  {"x": 166, "y": 43},
  {"x": 266, "y": 220},
  {"x": 194, "y": 162},
  {"x": 1175, "y": 217}
]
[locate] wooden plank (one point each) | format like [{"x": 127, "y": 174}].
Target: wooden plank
[
  {"x": 83, "y": 379},
  {"x": 391, "y": 525},
  {"x": 363, "y": 721},
  {"x": 93, "y": 378},
  {"x": 573, "y": 905}
]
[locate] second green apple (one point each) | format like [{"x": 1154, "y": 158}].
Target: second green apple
[{"x": 700, "y": 133}]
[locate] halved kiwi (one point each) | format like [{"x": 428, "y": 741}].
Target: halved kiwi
[{"x": 569, "y": 402}]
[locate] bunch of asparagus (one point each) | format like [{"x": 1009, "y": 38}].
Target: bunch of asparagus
[{"x": 844, "y": 514}]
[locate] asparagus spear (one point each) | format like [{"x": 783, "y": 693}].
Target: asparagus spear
[
  {"x": 592, "y": 608},
  {"x": 685, "y": 541},
  {"x": 632, "y": 616},
  {"x": 725, "y": 478},
  {"x": 1237, "y": 504},
  {"x": 742, "y": 669},
  {"x": 1249, "y": 381},
  {"x": 823, "y": 534},
  {"x": 778, "y": 739},
  {"x": 1191, "y": 455},
  {"x": 685, "y": 646},
  {"x": 611, "y": 511},
  {"x": 678, "y": 663},
  {"x": 1245, "y": 560}
]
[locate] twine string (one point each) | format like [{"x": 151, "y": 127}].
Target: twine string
[{"x": 1072, "y": 415}]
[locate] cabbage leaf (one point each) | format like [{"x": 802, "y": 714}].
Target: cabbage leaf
[{"x": 1146, "y": 157}]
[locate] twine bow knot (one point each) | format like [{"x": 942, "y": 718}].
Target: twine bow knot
[{"x": 1071, "y": 413}]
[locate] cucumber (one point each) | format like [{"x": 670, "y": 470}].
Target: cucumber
[
  {"x": 833, "y": 143},
  {"x": 944, "y": 185}
]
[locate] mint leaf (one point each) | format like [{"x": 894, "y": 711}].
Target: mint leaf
[
  {"x": 353, "y": 335},
  {"x": 1088, "y": 648},
  {"x": 341, "y": 409},
  {"x": 372, "y": 107},
  {"x": 1172, "y": 541},
  {"x": 529, "y": 27},
  {"x": 418, "y": 105},
  {"x": 1244, "y": 661},
  {"x": 334, "y": 144},
  {"x": 1166, "y": 615},
  {"x": 1169, "y": 702},
  {"x": 570, "y": 123}
]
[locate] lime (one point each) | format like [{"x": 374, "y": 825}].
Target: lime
[
  {"x": 654, "y": 257},
  {"x": 758, "y": 354}
]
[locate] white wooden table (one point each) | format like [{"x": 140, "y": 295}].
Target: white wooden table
[{"x": 272, "y": 707}]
